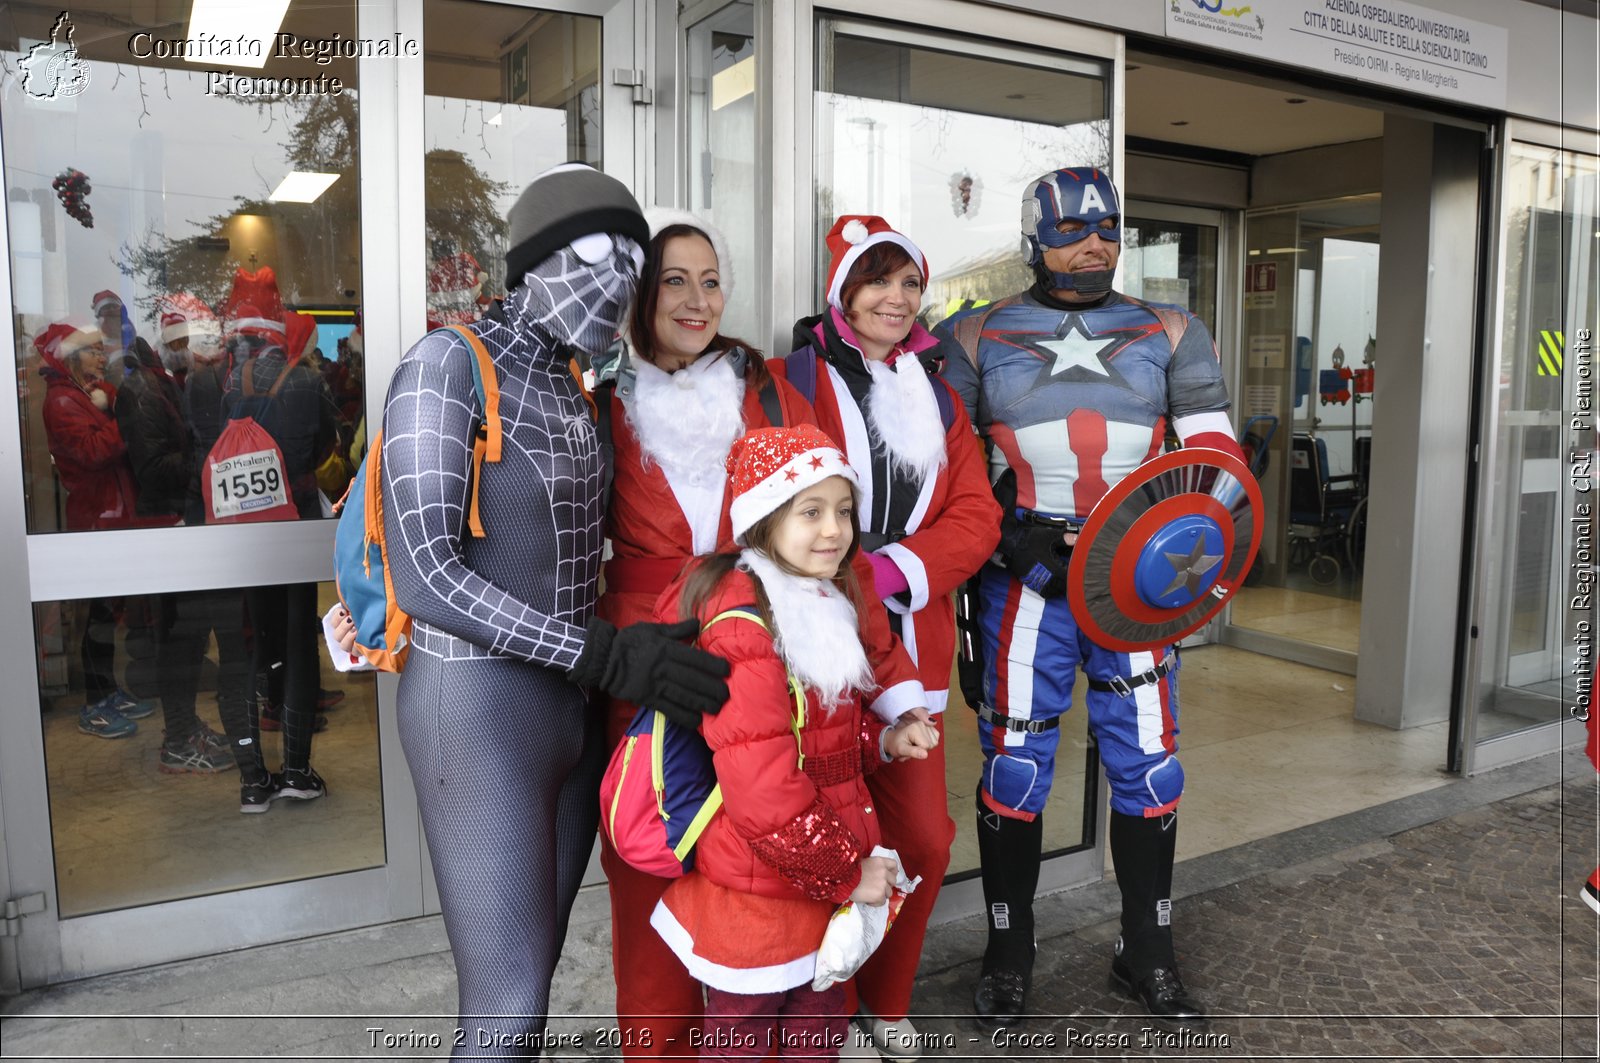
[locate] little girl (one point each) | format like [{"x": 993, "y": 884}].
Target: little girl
[{"x": 797, "y": 825}]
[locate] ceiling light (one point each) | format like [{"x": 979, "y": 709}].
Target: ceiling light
[
  {"x": 233, "y": 20},
  {"x": 1180, "y": 122},
  {"x": 302, "y": 187},
  {"x": 499, "y": 116},
  {"x": 1285, "y": 251}
]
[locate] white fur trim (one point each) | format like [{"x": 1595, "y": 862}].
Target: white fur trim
[
  {"x": 774, "y": 978},
  {"x": 814, "y": 628},
  {"x": 854, "y": 231},
  {"x": 686, "y": 422},
  {"x": 659, "y": 218},
  {"x": 779, "y": 487},
  {"x": 904, "y": 417},
  {"x": 848, "y": 259},
  {"x": 916, "y": 576},
  {"x": 898, "y": 700}
]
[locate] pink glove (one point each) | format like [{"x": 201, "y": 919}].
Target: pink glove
[{"x": 887, "y": 579}]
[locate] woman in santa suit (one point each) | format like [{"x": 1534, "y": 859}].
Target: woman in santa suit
[
  {"x": 682, "y": 393},
  {"x": 928, "y": 521}
]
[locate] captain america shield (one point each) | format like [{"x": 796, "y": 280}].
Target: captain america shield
[{"x": 1165, "y": 549}]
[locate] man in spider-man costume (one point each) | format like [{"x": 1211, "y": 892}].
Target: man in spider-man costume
[{"x": 1072, "y": 386}]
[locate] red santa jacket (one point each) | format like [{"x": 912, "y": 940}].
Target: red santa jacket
[
  {"x": 650, "y": 542},
  {"x": 784, "y": 830},
  {"x": 90, "y": 454},
  {"x": 953, "y": 530}
]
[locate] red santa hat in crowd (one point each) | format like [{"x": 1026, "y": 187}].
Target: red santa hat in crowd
[
  {"x": 254, "y": 307},
  {"x": 660, "y": 218},
  {"x": 185, "y": 317},
  {"x": 850, "y": 238},
  {"x": 769, "y": 466},
  {"x": 301, "y": 333},
  {"x": 50, "y": 341},
  {"x": 104, "y": 299}
]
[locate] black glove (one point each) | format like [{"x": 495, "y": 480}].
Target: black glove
[
  {"x": 1034, "y": 553},
  {"x": 648, "y": 665}
]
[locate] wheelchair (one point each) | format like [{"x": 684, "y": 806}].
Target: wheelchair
[{"x": 1327, "y": 514}]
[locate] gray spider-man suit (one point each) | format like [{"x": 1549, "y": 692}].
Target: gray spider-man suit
[{"x": 504, "y": 753}]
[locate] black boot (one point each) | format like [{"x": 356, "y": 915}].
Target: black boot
[
  {"x": 1144, "y": 966},
  {"x": 1009, "y": 851}
]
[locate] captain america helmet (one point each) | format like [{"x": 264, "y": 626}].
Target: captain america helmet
[{"x": 1085, "y": 195}]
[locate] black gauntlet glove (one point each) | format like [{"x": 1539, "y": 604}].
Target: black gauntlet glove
[
  {"x": 648, "y": 665},
  {"x": 1034, "y": 553}
]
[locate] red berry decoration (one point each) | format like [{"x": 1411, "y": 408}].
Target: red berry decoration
[{"x": 72, "y": 188}]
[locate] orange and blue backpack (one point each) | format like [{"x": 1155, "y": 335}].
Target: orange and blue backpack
[{"x": 360, "y": 558}]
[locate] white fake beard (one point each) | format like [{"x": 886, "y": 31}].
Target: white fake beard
[
  {"x": 814, "y": 628},
  {"x": 686, "y": 421},
  {"x": 904, "y": 417}
]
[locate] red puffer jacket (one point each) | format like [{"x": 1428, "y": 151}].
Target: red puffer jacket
[{"x": 784, "y": 830}]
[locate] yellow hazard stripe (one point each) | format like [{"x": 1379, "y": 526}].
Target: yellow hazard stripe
[{"x": 1550, "y": 347}]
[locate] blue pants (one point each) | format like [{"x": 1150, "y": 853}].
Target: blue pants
[{"x": 1032, "y": 650}]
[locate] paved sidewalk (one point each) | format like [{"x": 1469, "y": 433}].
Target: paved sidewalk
[{"x": 1443, "y": 926}]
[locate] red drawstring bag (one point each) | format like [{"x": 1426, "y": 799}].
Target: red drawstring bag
[{"x": 245, "y": 479}]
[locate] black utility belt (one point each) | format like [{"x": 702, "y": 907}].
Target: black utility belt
[
  {"x": 1033, "y": 727},
  {"x": 1125, "y": 687}
]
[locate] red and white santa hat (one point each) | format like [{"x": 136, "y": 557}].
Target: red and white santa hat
[
  {"x": 104, "y": 299},
  {"x": 850, "y": 238},
  {"x": 254, "y": 307},
  {"x": 769, "y": 466},
  {"x": 183, "y": 316}
]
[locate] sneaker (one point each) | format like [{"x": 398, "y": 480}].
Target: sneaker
[
  {"x": 304, "y": 785},
  {"x": 256, "y": 795},
  {"x": 131, "y": 707},
  {"x": 194, "y": 754},
  {"x": 271, "y": 717},
  {"x": 327, "y": 699},
  {"x": 216, "y": 743},
  {"x": 1591, "y": 890},
  {"x": 102, "y": 720}
]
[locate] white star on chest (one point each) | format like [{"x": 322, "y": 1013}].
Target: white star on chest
[{"x": 1076, "y": 350}]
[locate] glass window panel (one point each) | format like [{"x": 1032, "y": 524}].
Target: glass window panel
[
  {"x": 1310, "y": 373},
  {"x": 1534, "y": 545},
  {"x": 722, "y": 89},
  {"x": 511, "y": 92},
  {"x": 145, "y": 802},
  {"x": 149, "y": 223},
  {"x": 1171, "y": 262},
  {"x": 942, "y": 143}
]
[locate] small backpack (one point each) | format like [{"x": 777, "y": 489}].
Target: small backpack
[
  {"x": 660, "y": 790},
  {"x": 360, "y": 552},
  {"x": 245, "y": 477}
]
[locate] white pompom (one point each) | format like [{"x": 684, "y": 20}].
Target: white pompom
[{"x": 854, "y": 231}]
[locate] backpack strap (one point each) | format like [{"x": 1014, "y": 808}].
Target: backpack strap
[
  {"x": 602, "y": 430},
  {"x": 801, "y": 369},
  {"x": 247, "y": 382},
  {"x": 770, "y": 404},
  {"x": 487, "y": 440},
  {"x": 797, "y": 720},
  {"x": 945, "y": 401}
]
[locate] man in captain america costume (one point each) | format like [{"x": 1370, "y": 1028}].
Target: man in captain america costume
[{"x": 1073, "y": 386}]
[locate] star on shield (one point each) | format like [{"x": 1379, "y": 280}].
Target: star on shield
[{"x": 1189, "y": 569}]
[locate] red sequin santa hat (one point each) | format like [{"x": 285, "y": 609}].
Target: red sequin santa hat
[
  {"x": 769, "y": 466},
  {"x": 254, "y": 307},
  {"x": 455, "y": 285},
  {"x": 183, "y": 316},
  {"x": 850, "y": 238}
]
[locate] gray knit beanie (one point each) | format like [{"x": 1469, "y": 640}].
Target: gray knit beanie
[{"x": 561, "y": 205}]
